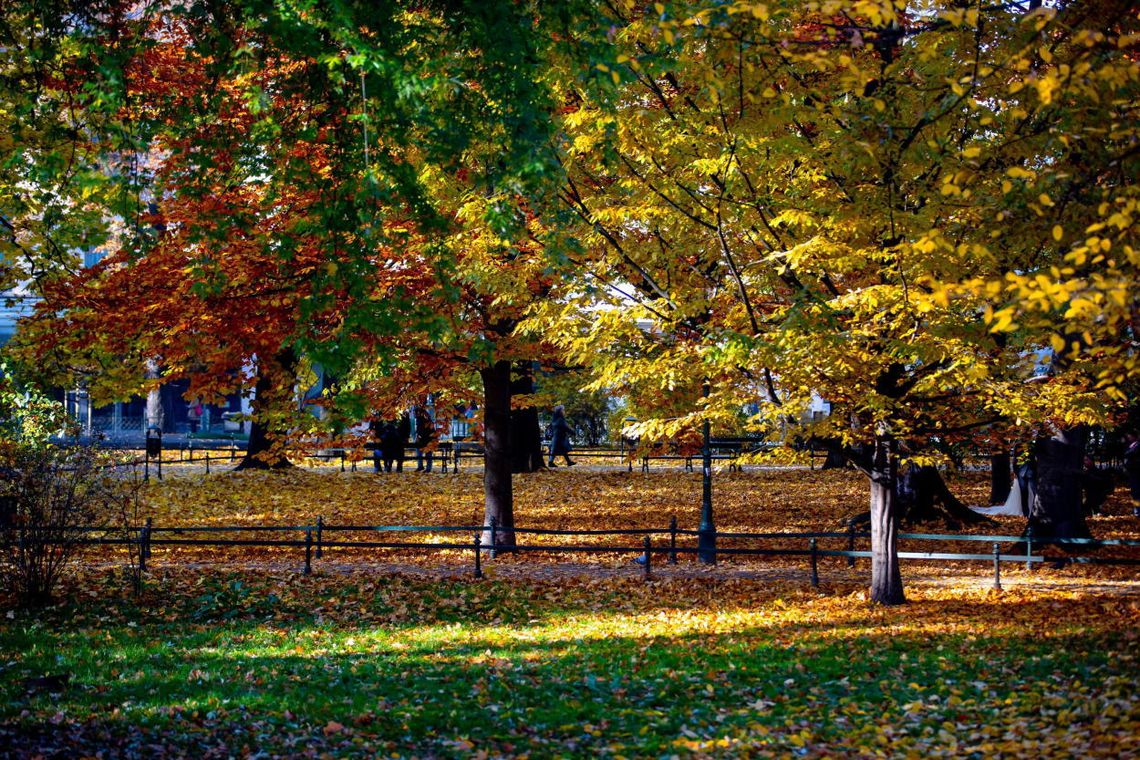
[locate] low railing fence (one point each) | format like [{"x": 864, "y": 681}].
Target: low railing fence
[
  {"x": 490, "y": 539},
  {"x": 449, "y": 456}
]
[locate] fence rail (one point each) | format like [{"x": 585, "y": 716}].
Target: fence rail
[
  {"x": 320, "y": 536},
  {"x": 447, "y": 455}
]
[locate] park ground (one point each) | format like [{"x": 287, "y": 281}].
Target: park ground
[{"x": 233, "y": 652}]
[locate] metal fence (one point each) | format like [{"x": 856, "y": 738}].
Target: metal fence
[
  {"x": 448, "y": 457},
  {"x": 314, "y": 540}
]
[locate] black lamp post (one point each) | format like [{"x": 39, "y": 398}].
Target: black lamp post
[{"x": 706, "y": 532}]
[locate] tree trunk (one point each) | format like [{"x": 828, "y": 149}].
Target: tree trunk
[
  {"x": 525, "y": 435},
  {"x": 835, "y": 459},
  {"x": 1000, "y": 482},
  {"x": 270, "y": 391},
  {"x": 498, "y": 497},
  {"x": 920, "y": 489},
  {"x": 1056, "y": 509},
  {"x": 154, "y": 415},
  {"x": 886, "y": 580}
]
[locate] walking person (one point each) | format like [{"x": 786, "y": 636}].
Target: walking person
[{"x": 559, "y": 437}]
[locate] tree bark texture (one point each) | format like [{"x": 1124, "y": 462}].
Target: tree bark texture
[
  {"x": 1000, "y": 481},
  {"x": 922, "y": 496},
  {"x": 1056, "y": 510},
  {"x": 154, "y": 415},
  {"x": 498, "y": 497},
  {"x": 263, "y": 438},
  {"x": 886, "y": 580}
]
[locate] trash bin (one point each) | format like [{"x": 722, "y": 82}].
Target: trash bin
[{"x": 153, "y": 443}]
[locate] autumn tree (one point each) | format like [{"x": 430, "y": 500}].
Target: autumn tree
[
  {"x": 353, "y": 186},
  {"x": 896, "y": 207}
]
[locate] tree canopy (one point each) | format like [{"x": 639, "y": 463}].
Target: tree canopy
[{"x": 923, "y": 213}]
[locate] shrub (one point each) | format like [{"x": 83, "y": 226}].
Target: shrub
[{"x": 52, "y": 495}]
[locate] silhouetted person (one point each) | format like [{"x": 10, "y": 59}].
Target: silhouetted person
[
  {"x": 1096, "y": 485},
  {"x": 393, "y": 440},
  {"x": 425, "y": 437},
  {"x": 1132, "y": 469},
  {"x": 559, "y": 437}
]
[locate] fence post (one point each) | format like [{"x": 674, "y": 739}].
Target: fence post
[
  {"x": 645, "y": 464},
  {"x": 673, "y": 540},
  {"x": 320, "y": 536},
  {"x": 648, "y": 559},
  {"x": 850, "y": 542},
  {"x": 146, "y": 468},
  {"x": 494, "y": 534},
  {"x": 159, "y": 460},
  {"x": 342, "y": 461},
  {"x": 233, "y": 452},
  {"x": 814, "y": 564},
  {"x": 1028, "y": 548},
  {"x": 207, "y": 461},
  {"x": 149, "y": 530},
  {"x": 144, "y": 541},
  {"x": 997, "y": 566},
  {"x": 478, "y": 562},
  {"x": 309, "y": 551}
]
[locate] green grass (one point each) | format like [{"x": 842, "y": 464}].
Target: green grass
[{"x": 356, "y": 666}]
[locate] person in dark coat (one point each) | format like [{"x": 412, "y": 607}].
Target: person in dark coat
[
  {"x": 395, "y": 441},
  {"x": 559, "y": 437},
  {"x": 380, "y": 433},
  {"x": 425, "y": 437},
  {"x": 1096, "y": 487},
  {"x": 1132, "y": 469},
  {"x": 390, "y": 437}
]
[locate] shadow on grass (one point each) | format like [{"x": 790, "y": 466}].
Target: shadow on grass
[{"x": 440, "y": 668}]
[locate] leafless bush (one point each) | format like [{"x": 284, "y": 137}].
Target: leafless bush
[{"x": 52, "y": 500}]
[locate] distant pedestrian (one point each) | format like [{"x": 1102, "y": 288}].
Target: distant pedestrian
[
  {"x": 425, "y": 437},
  {"x": 559, "y": 437},
  {"x": 1132, "y": 469},
  {"x": 194, "y": 413},
  {"x": 1096, "y": 487},
  {"x": 393, "y": 441},
  {"x": 377, "y": 429}
]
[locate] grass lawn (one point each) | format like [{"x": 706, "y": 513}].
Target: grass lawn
[{"x": 220, "y": 659}]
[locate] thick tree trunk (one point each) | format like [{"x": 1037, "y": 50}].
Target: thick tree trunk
[
  {"x": 268, "y": 390},
  {"x": 154, "y": 415},
  {"x": 1056, "y": 509},
  {"x": 886, "y": 580},
  {"x": 1000, "y": 481},
  {"x": 920, "y": 489},
  {"x": 835, "y": 459},
  {"x": 525, "y": 434},
  {"x": 498, "y": 497}
]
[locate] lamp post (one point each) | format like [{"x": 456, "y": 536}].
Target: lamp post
[{"x": 706, "y": 532}]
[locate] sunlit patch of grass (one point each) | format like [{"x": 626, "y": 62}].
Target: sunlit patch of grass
[{"x": 620, "y": 667}]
